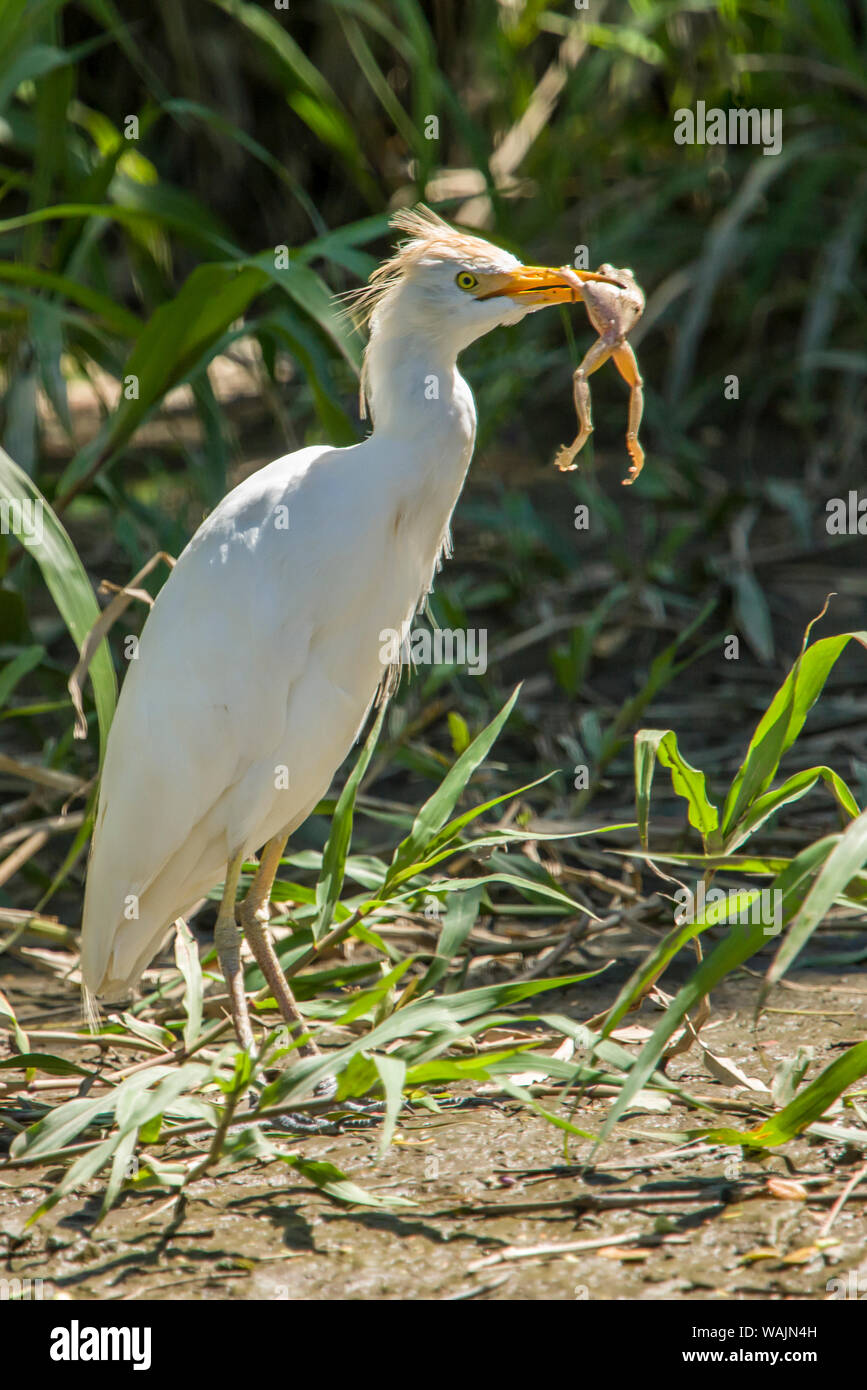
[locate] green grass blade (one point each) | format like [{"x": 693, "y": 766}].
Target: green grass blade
[
  {"x": 392, "y": 1074},
  {"x": 740, "y": 943},
  {"x": 17, "y": 669},
  {"x": 114, "y": 316},
  {"x": 330, "y": 880},
  {"x": 459, "y": 921},
  {"x": 67, "y": 582},
  {"x": 448, "y": 1015},
  {"x": 848, "y": 856},
  {"x": 437, "y": 809},
  {"x": 792, "y": 790},
  {"x": 187, "y": 961},
  {"x": 782, "y": 722},
  {"x": 808, "y": 1106},
  {"x": 333, "y": 1181}
]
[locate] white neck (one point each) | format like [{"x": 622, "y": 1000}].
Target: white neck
[
  {"x": 415, "y": 388},
  {"x": 424, "y": 426}
]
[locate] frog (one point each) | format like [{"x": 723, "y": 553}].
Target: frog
[{"x": 614, "y": 306}]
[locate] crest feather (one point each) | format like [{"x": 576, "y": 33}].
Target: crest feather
[{"x": 425, "y": 232}]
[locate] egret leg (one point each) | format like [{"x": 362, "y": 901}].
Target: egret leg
[
  {"x": 227, "y": 939},
  {"x": 254, "y": 916}
]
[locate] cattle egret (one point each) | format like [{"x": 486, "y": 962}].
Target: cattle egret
[{"x": 260, "y": 658}]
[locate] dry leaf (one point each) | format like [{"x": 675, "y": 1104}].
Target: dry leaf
[
  {"x": 648, "y": 1101},
  {"x": 787, "y": 1190},
  {"x": 633, "y": 1034},
  {"x": 534, "y": 1078},
  {"x": 802, "y": 1256},
  {"x": 729, "y": 1073}
]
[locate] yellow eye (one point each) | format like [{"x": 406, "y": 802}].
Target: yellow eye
[{"x": 465, "y": 281}]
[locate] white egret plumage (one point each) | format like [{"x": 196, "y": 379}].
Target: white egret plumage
[{"x": 261, "y": 656}]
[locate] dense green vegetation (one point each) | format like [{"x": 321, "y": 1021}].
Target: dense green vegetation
[{"x": 153, "y": 349}]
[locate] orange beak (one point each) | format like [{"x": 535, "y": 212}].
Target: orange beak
[{"x": 539, "y": 285}]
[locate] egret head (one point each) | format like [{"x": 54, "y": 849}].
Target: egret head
[{"x": 452, "y": 287}]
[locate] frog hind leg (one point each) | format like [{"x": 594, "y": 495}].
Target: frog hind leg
[
  {"x": 627, "y": 365},
  {"x": 595, "y": 357}
]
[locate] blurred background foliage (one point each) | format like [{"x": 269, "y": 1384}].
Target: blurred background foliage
[{"x": 152, "y": 157}]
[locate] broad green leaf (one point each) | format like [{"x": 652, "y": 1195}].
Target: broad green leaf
[
  {"x": 529, "y": 887},
  {"x": 733, "y": 863},
  {"x": 688, "y": 782},
  {"x": 369, "y": 999},
  {"x": 304, "y": 287},
  {"x": 63, "y": 1125},
  {"x": 36, "y": 60},
  {"x": 120, "y": 1170},
  {"x": 174, "y": 341},
  {"x": 782, "y": 722},
  {"x": 446, "y": 1069},
  {"x": 452, "y": 829},
  {"x": 114, "y": 316},
  {"x": 449, "y": 1015},
  {"x": 625, "y": 38},
  {"x": 136, "y": 218},
  {"x": 85, "y": 1167}
]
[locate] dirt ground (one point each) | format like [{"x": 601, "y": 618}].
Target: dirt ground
[
  {"x": 491, "y": 1182},
  {"x": 656, "y": 1217}
]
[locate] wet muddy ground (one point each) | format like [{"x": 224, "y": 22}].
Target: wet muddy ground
[{"x": 655, "y": 1217}]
